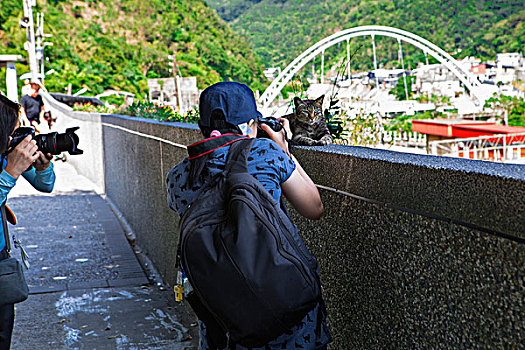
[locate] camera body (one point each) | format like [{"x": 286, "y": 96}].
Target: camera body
[
  {"x": 273, "y": 123},
  {"x": 53, "y": 143}
]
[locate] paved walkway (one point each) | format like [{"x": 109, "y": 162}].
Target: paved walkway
[{"x": 87, "y": 288}]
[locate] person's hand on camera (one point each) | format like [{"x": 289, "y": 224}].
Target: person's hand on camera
[
  {"x": 43, "y": 161},
  {"x": 280, "y": 137},
  {"x": 35, "y": 125},
  {"x": 20, "y": 158}
]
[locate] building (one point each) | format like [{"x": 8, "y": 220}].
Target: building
[
  {"x": 472, "y": 139},
  {"x": 162, "y": 91},
  {"x": 387, "y": 77},
  {"x": 479, "y": 69},
  {"x": 509, "y": 60},
  {"x": 436, "y": 79}
]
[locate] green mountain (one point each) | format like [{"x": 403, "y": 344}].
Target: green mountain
[
  {"x": 118, "y": 44},
  {"x": 231, "y": 9},
  {"x": 280, "y": 30}
]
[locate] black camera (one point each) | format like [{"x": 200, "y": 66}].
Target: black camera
[
  {"x": 273, "y": 123},
  {"x": 53, "y": 143}
]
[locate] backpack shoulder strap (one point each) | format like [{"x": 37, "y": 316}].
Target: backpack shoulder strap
[{"x": 237, "y": 156}]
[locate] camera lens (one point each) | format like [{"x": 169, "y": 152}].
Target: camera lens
[{"x": 56, "y": 143}]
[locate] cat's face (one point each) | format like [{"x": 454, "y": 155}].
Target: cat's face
[{"x": 309, "y": 111}]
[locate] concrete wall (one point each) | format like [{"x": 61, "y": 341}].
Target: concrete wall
[
  {"x": 419, "y": 251},
  {"x": 415, "y": 251},
  {"x": 91, "y": 163}
]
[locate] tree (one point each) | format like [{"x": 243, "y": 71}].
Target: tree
[
  {"x": 399, "y": 89},
  {"x": 510, "y": 109}
]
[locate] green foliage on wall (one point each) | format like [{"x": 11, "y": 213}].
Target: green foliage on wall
[
  {"x": 118, "y": 44},
  {"x": 165, "y": 113}
]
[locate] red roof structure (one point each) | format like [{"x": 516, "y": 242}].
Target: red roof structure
[
  {"x": 457, "y": 128},
  {"x": 442, "y": 127}
]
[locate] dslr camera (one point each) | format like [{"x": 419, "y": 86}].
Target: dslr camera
[
  {"x": 53, "y": 143},
  {"x": 272, "y": 123}
]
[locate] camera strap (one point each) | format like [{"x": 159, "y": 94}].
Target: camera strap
[
  {"x": 17, "y": 243},
  {"x": 209, "y": 145},
  {"x": 6, "y": 233}
]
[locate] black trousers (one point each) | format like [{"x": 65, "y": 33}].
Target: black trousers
[{"x": 7, "y": 318}]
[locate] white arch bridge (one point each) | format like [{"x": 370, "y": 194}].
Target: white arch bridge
[{"x": 468, "y": 79}]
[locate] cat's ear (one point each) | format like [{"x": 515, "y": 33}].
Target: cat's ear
[
  {"x": 297, "y": 101},
  {"x": 319, "y": 100}
]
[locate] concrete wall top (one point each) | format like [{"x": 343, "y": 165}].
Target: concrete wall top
[
  {"x": 510, "y": 171},
  {"x": 484, "y": 195}
]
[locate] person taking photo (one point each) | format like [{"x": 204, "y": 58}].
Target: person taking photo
[
  {"x": 227, "y": 109},
  {"x": 23, "y": 160}
]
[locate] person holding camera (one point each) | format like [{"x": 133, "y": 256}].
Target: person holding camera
[
  {"x": 25, "y": 159},
  {"x": 32, "y": 111},
  {"x": 228, "y": 111}
]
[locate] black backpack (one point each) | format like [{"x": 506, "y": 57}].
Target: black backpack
[{"x": 252, "y": 276}]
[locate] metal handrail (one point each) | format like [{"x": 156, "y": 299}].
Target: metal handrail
[
  {"x": 480, "y": 146},
  {"x": 479, "y": 138}
]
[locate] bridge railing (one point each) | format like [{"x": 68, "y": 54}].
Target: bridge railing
[
  {"x": 499, "y": 148},
  {"x": 404, "y": 139},
  {"x": 415, "y": 251}
]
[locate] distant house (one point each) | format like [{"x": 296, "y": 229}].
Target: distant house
[
  {"x": 509, "y": 60},
  {"x": 272, "y": 73},
  {"x": 507, "y": 67},
  {"x": 387, "y": 77},
  {"x": 438, "y": 80},
  {"x": 479, "y": 69},
  {"x": 162, "y": 91},
  {"x": 469, "y": 62}
]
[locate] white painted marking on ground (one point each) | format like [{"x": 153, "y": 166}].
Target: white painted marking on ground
[
  {"x": 126, "y": 294},
  {"x": 72, "y": 335},
  {"x": 67, "y": 305},
  {"x": 161, "y": 317}
]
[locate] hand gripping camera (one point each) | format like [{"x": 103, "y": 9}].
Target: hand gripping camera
[
  {"x": 53, "y": 143},
  {"x": 273, "y": 123}
]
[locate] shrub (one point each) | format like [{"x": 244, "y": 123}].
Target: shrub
[
  {"x": 88, "y": 107},
  {"x": 151, "y": 110}
]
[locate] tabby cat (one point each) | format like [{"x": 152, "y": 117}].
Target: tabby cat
[{"x": 308, "y": 124}]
